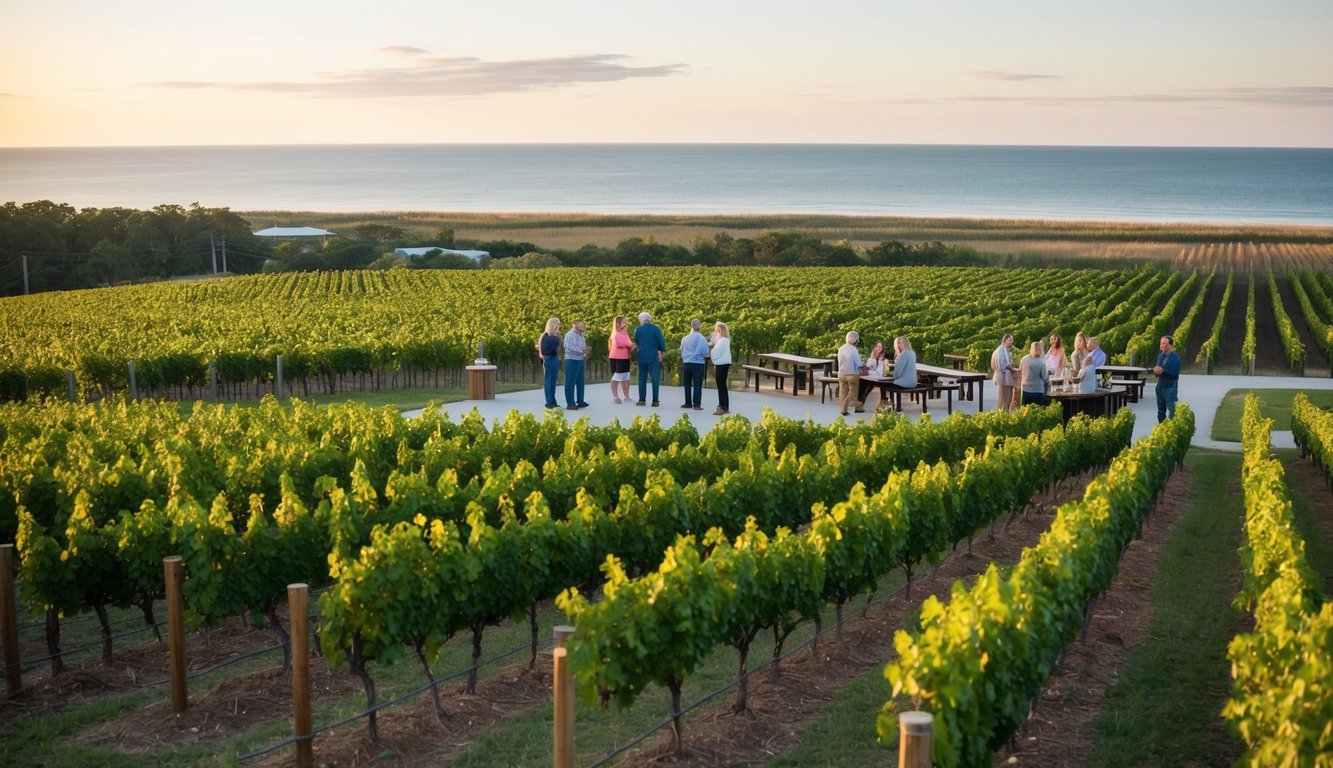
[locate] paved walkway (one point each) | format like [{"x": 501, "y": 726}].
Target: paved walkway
[{"x": 1203, "y": 393}]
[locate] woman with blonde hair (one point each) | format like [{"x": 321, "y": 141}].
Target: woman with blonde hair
[
  {"x": 719, "y": 351},
  {"x": 1080, "y": 354},
  {"x": 548, "y": 346},
  {"x": 618, "y": 349}
]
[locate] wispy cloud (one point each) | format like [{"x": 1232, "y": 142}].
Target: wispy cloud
[
  {"x": 406, "y": 50},
  {"x": 1288, "y": 96},
  {"x": 13, "y": 96},
  {"x": 989, "y": 74},
  {"x": 424, "y": 75}
]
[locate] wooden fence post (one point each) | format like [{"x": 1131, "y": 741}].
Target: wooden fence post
[
  {"x": 298, "y": 596},
  {"x": 213, "y": 380},
  {"x": 277, "y": 380},
  {"x": 914, "y": 739},
  {"x": 9, "y": 617},
  {"x": 134, "y": 382},
  {"x": 70, "y": 389},
  {"x": 174, "y": 568},
  {"x": 563, "y": 682}
]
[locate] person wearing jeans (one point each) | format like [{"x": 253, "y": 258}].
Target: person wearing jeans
[
  {"x": 576, "y": 353},
  {"x": 548, "y": 346},
  {"x": 652, "y": 346},
  {"x": 1168, "y": 379},
  {"x": 693, "y": 365}
]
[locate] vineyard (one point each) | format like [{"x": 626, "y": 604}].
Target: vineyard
[
  {"x": 338, "y": 331},
  {"x": 437, "y": 547}
]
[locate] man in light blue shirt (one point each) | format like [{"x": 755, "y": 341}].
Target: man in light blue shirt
[
  {"x": 693, "y": 354},
  {"x": 849, "y": 374}
]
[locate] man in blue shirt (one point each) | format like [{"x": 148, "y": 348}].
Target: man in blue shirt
[
  {"x": 693, "y": 354},
  {"x": 1168, "y": 378},
  {"x": 651, "y": 346}
]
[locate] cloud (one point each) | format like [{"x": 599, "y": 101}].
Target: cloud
[
  {"x": 988, "y": 74},
  {"x": 1286, "y": 96},
  {"x": 13, "y": 96},
  {"x": 434, "y": 76},
  {"x": 406, "y": 50}
]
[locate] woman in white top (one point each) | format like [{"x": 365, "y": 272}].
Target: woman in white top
[
  {"x": 720, "y": 353},
  {"x": 1055, "y": 356}
]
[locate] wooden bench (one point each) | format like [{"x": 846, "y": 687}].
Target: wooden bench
[
  {"x": 923, "y": 392},
  {"x": 1133, "y": 388},
  {"x": 758, "y": 370},
  {"x": 825, "y": 382},
  {"x": 955, "y": 361}
]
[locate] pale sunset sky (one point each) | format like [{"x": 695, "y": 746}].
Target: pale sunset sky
[{"x": 1136, "y": 72}]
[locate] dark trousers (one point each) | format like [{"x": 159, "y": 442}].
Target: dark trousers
[
  {"x": 550, "y": 374},
  {"x": 720, "y": 381},
  {"x": 573, "y": 382},
  {"x": 692, "y": 379},
  {"x": 1034, "y": 398}
]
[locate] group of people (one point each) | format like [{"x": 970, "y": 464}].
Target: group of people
[
  {"x": 853, "y": 389},
  {"x": 1029, "y": 380},
  {"x": 646, "y": 346}
]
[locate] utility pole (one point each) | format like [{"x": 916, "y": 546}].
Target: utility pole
[
  {"x": 213, "y": 247},
  {"x": 224, "y": 253},
  {"x": 25, "y": 274}
]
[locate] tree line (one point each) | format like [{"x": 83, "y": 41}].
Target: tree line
[{"x": 46, "y": 246}]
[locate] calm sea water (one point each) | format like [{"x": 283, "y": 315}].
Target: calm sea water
[{"x": 1100, "y": 183}]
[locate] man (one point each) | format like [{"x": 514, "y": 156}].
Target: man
[
  {"x": 1168, "y": 379},
  {"x": 576, "y": 355},
  {"x": 1002, "y": 370},
  {"x": 849, "y": 373},
  {"x": 651, "y": 346},
  {"x": 693, "y": 354},
  {"x": 1095, "y": 353}
]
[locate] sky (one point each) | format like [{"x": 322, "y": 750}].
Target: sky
[{"x": 1135, "y": 73}]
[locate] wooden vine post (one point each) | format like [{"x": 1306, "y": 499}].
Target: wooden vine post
[
  {"x": 298, "y": 596},
  {"x": 914, "y": 739},
  {"x": 175, "y": 578},
  {"x": 563, "y": 682},
  {"x": 9, "y": 617}
]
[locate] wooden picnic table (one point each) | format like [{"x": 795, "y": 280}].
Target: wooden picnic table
[
  {"x": 1132, "y": 372},
  {"x": 801, "y": 366},
  {"x": 966, "y": 381}
]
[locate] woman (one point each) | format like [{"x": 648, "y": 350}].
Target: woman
[
  {"x": 618, "y": 348},
  {"x": 1055, "y": 356},
  {"x": 720, "y": 353},
  {"x": 1036, "y": 377},
  {"x": 1080, "y": 354},
  {"x": 904, "y": 363},
  {"x": 874, "y": 365},
  {"x": 548, "y": 346}
]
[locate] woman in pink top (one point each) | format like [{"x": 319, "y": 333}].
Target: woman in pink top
[{"x": 619, "y": 347}]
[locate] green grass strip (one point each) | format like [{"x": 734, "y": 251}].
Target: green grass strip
[
  {"x": 1165, "y": 707},
  {"x": 1274, "y": 404}
]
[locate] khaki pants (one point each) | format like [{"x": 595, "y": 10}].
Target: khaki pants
[
  {"x": 847, "y": 384},
  {"x": 1006, "y": 397}
]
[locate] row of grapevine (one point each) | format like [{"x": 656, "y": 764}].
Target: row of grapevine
[
  {"x": 1210, "y": 349},
  {"x": 1286, "y": 330},
  {"x": 1303, "y": 287},
  {"x": 1184, "y": 332},
  {"x": 1251, "y": 343},
  {"x": 1281, "y": 702},
  {"x": 978, "y": 660},
  {"x": 1312, "y": 428},
  {"x": 331, "y": 325},
  {"x": 712, "y": 591}
]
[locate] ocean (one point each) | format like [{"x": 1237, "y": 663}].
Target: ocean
[{"x": 1179, "y": 184}]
